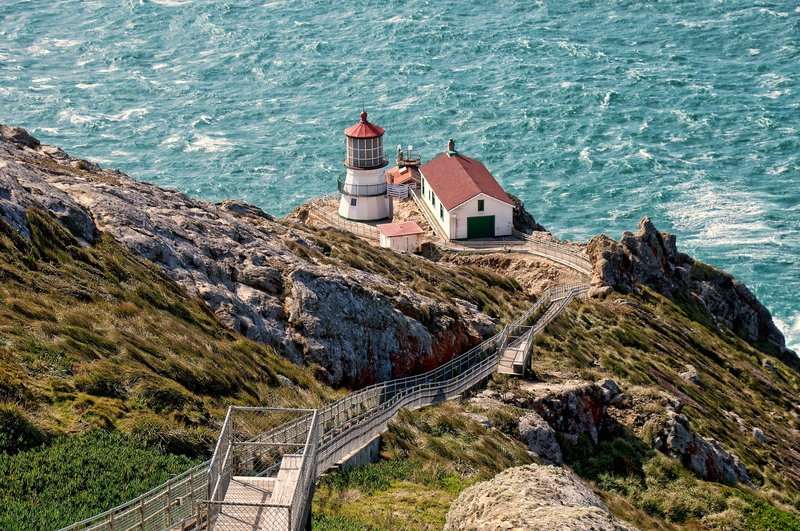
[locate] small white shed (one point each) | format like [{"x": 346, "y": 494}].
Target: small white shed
[{"x": 402, "y": 237}]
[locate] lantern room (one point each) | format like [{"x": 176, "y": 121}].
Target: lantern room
[{"x": 364, "y": 145}]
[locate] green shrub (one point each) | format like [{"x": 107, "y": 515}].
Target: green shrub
[
  {"x": 68, "y": 479},
  {"x": 17, "y": 433}
]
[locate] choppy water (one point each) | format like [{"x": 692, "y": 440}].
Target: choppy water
[{"x": 594, "y": 112}]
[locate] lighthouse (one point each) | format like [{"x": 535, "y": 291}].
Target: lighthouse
[{"x": 363, "y": 188}]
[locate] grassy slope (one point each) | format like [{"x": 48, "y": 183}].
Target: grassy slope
[
  {"x": 93, "y": 339},
  {"x": 644, "y": 341},
  {"x": 433, "y": 454},
  {"x": 496, "y": 295}
]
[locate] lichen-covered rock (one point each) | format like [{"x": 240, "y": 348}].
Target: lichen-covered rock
[
  {"x": 528, "y": 498},
  {"x": 705, "y": 456},
  {"x": 609, "y": 388},
  {"x": 651, "y": 258},
  {"x": 540, "y": 438}
]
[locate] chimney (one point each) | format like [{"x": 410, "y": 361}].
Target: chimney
[{"x": 451, "y": 147}]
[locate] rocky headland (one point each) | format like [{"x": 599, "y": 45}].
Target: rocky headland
[{"x": 672, "y": 378}]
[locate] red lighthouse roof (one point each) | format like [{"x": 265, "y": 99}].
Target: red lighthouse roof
[{"x": 364, "y": 129}]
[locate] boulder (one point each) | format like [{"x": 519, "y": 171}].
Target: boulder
[
  {"x": 540, "y": 438},
  {"x": 690, "y": 374},
  {"x": 705, "y": 456},
  {"x": 531, "y": 497},
  {"x": 573, "y": 410},
  {"x": 609, "y": 388}
]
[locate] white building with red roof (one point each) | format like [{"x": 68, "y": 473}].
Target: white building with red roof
[
  {"x": 403, "y": 237},
  {"x": 465, "y": 199}
]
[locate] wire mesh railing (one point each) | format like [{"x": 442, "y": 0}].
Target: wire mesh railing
[
  {"x": 263, "y": 470},
  {"x": 171, "y": 505},
  {"x": 359, "y": 229}
]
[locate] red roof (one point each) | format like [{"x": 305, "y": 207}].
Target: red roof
[
  {"x": 456, "y": 179},
  {"x": 364, "y": 129},
  {"x": 405, "y": 228}
]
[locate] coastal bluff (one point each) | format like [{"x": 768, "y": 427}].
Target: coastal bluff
[{"x": 268, "y": 279}]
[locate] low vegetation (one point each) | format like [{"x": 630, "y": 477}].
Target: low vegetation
[
  {"x": 94, "y": 340},
  {"x": 430, "y": 456},
  {"x": 644, "y": 341},
  {"x": 54, "y": 485}
]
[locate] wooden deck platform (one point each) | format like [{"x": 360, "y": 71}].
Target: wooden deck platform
[{"x": 514, "y": 356}]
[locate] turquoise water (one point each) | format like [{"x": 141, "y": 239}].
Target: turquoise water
[{"x": 594, "y": 112}]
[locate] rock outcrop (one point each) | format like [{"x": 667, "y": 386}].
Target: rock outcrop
[
  {"x": 705, "y": 456},
  {"x": 574, "y": 411},
  {"x": 531, "y": 497},
  {"x": 358, "y": 326},
  {"x": 651, "y": 258},
  {"x": 540, "y": 438}
]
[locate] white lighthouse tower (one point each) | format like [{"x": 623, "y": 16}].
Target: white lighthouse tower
[{"x": 364, "y": 186}]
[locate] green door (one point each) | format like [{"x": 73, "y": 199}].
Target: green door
[{"x": 480, "y": 227}]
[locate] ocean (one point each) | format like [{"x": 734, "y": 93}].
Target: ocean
[{"x": 595, "y": 113}]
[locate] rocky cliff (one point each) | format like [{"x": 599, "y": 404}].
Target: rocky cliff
[
  {"x": 651, "y": 258},
  {"x": 272, "y": 281}
]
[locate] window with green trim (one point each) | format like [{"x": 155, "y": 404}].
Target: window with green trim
[
  {"x": 480, "y": 205},
  {"x": 441, "y": 211}
]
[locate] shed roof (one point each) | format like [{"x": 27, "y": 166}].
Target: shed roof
[
  {"x": 456, "y": 178},
  {"x": 403, "y": 228},
  {"x": 364, "y": 129},
  {"x": 399, "y": 175}
]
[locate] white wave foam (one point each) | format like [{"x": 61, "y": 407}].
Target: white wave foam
[
  {"x": 779, "y": 14},
  {"x": 753, "y": 51},
  {"x": 774, "y": 94},
  {"x": 86, "y": 86},
  {"x": 209, "y": 144},
  {"x": 78, "y": 119},
  {"x": 171, "y": 3},
  {"x": 75, "y": 118},
  {"x": 65, "y": 43},
  {"x": 791, "y": 330},
  {"x": 606, "y": 100},
  {"x": 585, "y": 156},
  {"x": 126, "y": 114},
  {"x": 720, "y": 216},
  {"x": 171, "y": 141},
  {"x": 48, "y": 130}
]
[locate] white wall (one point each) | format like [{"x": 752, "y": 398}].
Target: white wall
[
  {"x": 366, "y": 208},
  {"x": 444, "y": 224},
  {"x": 455, "y": 222},
  {"x": 503, "y": 216},
  {"x": 402, "y": 244}
]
